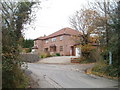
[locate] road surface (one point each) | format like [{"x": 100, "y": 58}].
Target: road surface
[{"x": 67, "y": 76}]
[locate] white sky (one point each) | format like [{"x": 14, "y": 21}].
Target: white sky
[{"x": 53, "y": 16}]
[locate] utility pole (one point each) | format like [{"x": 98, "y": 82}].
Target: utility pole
[{"x": 110, "y": 58}]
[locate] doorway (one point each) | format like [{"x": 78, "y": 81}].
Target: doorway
[{"x": 72, "y": 51}]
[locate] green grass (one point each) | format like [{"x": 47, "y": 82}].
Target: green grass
[
  {"x": 86, "y": 61},
  {"x": 105, "y": 70}
]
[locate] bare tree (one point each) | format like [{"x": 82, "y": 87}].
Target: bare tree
[
  {"x": 86, "y": 21},
  {"x": 106, "y": 9}
]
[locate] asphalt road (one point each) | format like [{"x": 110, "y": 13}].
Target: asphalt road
[{"x": 67, "y": 76}]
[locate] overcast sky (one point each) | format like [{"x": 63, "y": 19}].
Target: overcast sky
[{"x": 53, "y": 16}]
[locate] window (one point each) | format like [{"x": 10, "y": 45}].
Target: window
[
  {"x": 53, "y": 39},
  {"x": 61, "y": 48},
  {"x": 46, "y": 41},
  {"x": 46, "y": 49},
  {"x": 61, "y": 37}
]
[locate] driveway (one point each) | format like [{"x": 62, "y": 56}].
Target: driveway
[
  {"x": 67, "y": 76},
  {"x": 57, "y": 60}
]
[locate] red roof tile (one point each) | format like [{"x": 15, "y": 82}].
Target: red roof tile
[{"x": 67, "y": 30}]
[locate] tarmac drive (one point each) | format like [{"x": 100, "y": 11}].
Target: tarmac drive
[
  {"x": 67, "y": 76},
  {"x": 57, "y": 60}
]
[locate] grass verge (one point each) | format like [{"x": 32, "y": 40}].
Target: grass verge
[{"x": 103, "y": 70}]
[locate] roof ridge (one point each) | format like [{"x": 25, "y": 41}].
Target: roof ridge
[{"x": 65, "y": 30}]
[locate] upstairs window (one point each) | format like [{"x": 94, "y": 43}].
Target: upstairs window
[
  {"x": 53, "y": 39},
  {"x": 46, "y": 41},
  {"x": 61, "y": 37}
]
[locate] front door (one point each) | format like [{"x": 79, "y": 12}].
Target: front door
[{"x": 72, "y": 51}]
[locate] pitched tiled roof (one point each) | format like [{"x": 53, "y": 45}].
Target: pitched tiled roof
[{"x": 67, "y": 31}]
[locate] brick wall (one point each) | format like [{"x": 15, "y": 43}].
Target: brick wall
[{"x": 67, "y": 42}]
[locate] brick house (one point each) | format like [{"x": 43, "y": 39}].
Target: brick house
[{"x": 61, "y": 42}]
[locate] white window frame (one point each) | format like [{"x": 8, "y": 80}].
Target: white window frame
[
  {"x": 61, "y": 48},
  {"x": 46, "y": 41},
  {"x": 53, "y": 39},
  {"x": 61, "y": 37}
]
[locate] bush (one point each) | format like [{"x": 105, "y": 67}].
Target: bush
[
  {"x": 26, "y": 50},
  {"x": 98, "y": 67},
  {"x": 89, "y": 53},
  {"x": 84, "y": 60},
  {"x": 15, "y": 78},
  {"x": 87, "y": 61},
  {"x": 95, "y": 55},
  {"x": 44, "y": 55},
  {"x": 102, "y": 69},
  {"x": 57, "y": 54}
]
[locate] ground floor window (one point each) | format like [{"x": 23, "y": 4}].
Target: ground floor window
[
  {"x": 53, "y": 49},
  {"x": 61, "y": 48},
  {"x": 46, "y": 49}
]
